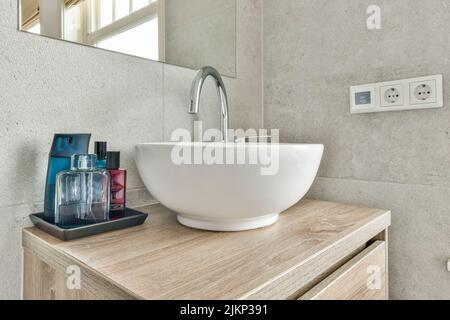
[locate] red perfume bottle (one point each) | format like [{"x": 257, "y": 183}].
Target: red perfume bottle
[{"x": 118, "y": 182}]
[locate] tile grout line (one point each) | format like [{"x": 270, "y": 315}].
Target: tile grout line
[
  {"x": 385, "y": 182},
  {"x": 163, "y": 100},
  {"x": 263, "y": 96}
]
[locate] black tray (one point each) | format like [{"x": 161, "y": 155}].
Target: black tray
[{"x": 119, "y": 220}]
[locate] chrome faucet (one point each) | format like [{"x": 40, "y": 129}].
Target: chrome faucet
[{"x": 196, "y": 91}]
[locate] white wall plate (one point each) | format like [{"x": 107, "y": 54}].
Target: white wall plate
[{"x": 399, "y": 95}]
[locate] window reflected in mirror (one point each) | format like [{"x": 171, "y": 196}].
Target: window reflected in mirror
[{"x": 190, "y": 33}]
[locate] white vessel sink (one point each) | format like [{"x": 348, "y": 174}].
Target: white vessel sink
[{"x": 228, "y": 197}]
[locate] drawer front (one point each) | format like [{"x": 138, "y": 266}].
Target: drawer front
[
  {"x": 362, "y": 278},
  {"x": 42, "y": 282}
]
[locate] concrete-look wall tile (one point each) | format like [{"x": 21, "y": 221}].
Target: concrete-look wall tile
[
  {"x": 177, "y": 86},
  {"x": 308, "y": 74},
  {"x": 201, "y": 32},
  {"x": 9, "y": 14},
  {"x": 419, "y": 239},
  {"x": 283, "y": 53},
  {"x": 188, "y": 12},
  {"x": 114, "y": 97},
  {"x": 139, "y": 197},
  {"x": 246, "y": 90}
]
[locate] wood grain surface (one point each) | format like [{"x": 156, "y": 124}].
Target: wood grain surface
[{"x": 164, "y": 260}]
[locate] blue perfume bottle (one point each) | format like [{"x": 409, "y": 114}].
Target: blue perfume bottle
[{"x": 63, "y": 148}]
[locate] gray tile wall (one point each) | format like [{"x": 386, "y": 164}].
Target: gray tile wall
[
  {"x": 200, "y": 32},
  {"x": 49, "y": 86},
  {"x": 313, "y": 52}
]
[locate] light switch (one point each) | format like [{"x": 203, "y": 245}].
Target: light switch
[{"x": 363, "y": 98}]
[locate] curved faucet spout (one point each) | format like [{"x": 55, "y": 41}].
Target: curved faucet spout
[{"x": 196, "y": 91}]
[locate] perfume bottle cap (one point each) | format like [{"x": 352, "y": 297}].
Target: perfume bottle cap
[
  {"x": 113, "y": 160},
  {"x": 84, "y": 162},
  {"x": 101, "y": 149}
]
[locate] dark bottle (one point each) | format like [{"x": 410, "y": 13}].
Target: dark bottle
[
  {"x": 118, "y": 182},
  {"x": 101, "y": 149},
  {"x": 63, "y": 148}
]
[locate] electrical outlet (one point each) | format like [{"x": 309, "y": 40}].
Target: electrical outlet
[
  {"x": 398, "y": 95},
  {"x": 424, "y": 92},
  {"x": 392, "y": 96}
]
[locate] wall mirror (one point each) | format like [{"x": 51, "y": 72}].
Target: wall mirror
[{"x": 188, "y": 33}]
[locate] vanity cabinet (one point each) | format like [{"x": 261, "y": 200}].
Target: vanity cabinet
[
  {"x": 317, "y": 250},
  {"x": 43, "y": 282},
  {"x": 362, "y": 278}
]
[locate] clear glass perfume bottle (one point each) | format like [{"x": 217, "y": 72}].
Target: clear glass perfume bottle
[{"x": 82, "y": 194}]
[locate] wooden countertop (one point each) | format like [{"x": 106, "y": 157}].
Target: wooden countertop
[{"x": 164, "y": 260}]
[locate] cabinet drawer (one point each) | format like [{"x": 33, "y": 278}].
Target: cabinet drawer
[{"x": 362, "y": 278}]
